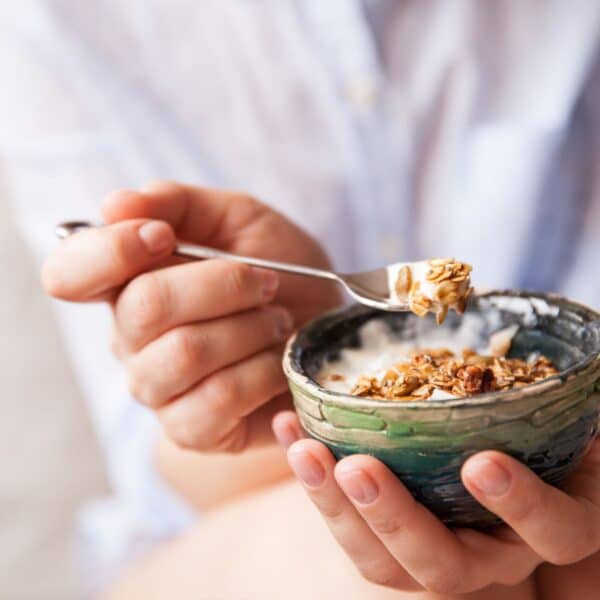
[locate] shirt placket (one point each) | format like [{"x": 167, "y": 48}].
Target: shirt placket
[{"x": 375, "y": 187}]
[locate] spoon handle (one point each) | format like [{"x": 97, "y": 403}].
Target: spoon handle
[
  {"x": 194, "y": 251},
  {"x": 64, "y": 230}
]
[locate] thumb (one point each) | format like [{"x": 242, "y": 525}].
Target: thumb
[
  {"x": 204, "y": 215},
  {"x": 89, "y": 264}
]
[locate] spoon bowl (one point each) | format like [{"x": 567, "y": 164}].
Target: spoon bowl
[{"x": 375, "y": 288}]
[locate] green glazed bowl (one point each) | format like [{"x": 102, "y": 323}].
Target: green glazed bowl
[{"x": 547, "y": 425}]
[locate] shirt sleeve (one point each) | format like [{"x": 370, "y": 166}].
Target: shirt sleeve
[{"x": 58, "y": 158}]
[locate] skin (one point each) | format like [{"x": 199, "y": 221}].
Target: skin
[
  {"x": 204, "y": 357},
  {"x": 267, "y": 545},
  {"x": 403, "y": 546},
  {"x": 201, "y": 342}
]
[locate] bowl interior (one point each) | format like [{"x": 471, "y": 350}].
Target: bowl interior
[{"x": 566, "y": 332}]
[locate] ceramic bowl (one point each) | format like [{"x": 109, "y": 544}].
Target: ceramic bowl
[{"x": 547, "y": 425}]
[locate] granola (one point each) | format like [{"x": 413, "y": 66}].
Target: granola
[
  {"x": 461, "y": 375},
  {"x": 436, "y": 285}
]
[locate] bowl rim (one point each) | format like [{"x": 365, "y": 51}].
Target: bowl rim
[{"x": 342, "y": 399}]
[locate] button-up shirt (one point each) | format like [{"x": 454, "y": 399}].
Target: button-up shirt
[{"x": 391, "y": 130}]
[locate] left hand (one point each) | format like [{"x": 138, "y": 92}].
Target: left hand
[{"x": 395, "y": 541}]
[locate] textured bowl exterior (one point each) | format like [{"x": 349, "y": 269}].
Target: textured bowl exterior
[{"x": 548, "y": 426}]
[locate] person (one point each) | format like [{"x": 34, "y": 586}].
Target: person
[
  {"x": 201, "y": 341},
  {"x": 385, "y": 130}
]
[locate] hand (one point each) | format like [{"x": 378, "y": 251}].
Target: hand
[
  {"x": 201, "y": 340},
  {"x": 396, "y": 542}
]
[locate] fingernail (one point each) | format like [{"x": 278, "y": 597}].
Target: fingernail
[
  {"x": 307, "y": 468},
  {"x": 156, "y": 236},
  {"x": 283, "y": 320},
  {"x": 286, "y": 436},
  {"x": 487, "y": 476},
  {"x": 358, "y": 484},
  {"x": 270, "y": 283}
]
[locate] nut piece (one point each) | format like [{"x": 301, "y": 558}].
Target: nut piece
[
  {"x": 472, "y": 377},
  {"x": 464, "y": 375}
]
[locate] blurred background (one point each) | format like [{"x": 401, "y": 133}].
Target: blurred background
[{"x": 50, "y": 459}]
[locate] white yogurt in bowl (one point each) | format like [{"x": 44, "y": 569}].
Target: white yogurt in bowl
[{"x": 380, "y": 348}]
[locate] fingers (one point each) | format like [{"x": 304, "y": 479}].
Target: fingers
[
  {"x": 498, "y": 556},
  {"x": 183, "y": 356},
  {"x": 392, "y": 539},
  {"x": 434, "y": 556},
  {"x": 256, "y": 427},
  {"x": 402, "y": 524},
  {"x": 287, "y": 428},
  {"x": 314, "y": 465},
  {"x": 197, "y": 214},
  {"x": 166, "y": 298},
  {"x": 562, "y": 529},
  {"x": 92, "y": 262},
  {"x": 212, "y": 415}
]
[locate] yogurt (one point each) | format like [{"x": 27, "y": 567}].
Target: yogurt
[{"x": 380, "y": 348}]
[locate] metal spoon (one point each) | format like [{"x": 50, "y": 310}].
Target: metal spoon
[{"x": 373, "y": 288}]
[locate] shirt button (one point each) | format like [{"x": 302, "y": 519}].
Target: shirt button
[{"x": 362, "y": 93}]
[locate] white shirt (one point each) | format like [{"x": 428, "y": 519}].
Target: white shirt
[{"x": 389, "y": 129}]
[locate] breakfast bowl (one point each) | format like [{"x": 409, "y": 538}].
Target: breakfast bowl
[{"x": 548, "y": 425}]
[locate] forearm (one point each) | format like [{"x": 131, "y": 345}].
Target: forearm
[
  {"x": 579, "y": 580},
  {"x": 208, "y": 480}
]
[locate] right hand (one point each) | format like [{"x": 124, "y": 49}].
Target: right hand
[{"x": 202, "y": 340}]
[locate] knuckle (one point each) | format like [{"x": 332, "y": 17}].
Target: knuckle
[
  {"x": 387, "y": 524},
  {"x": 332, "y": 511},
  {"x": 141, "y": 391},
  {"x": 561, "y": 556},
  {"x": 251, "y": 203},
  {"x": 391, "y": 523},
  {"x": 144, "y": 304},
  {"x": 211, "y": 428},
  {"x": 223, "y": 392},
  {"x": 275, "y": 373},
  {"x": 568, "y": 553},
  {"x": 186, "y": 351},
  {"x": 372, "y": 576},
  {"x": 235, "y": 441},
  {"x": 162, "y": 186},
  {"x": 441, "y": 582},
  {"x": 273, "y": 365},
  {"x": 241, "y": 278},
  {"x": 378, "y": 576},
  {"x": 516, "y": 577},
  {"x": 118, "y": 248},
  {"x": 185, "y": 434},
  {"x": 522, "y": 509},
  {"x": 135, "y": 388}
]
